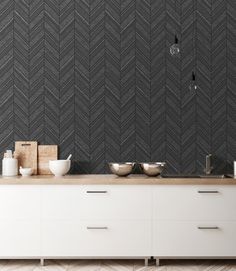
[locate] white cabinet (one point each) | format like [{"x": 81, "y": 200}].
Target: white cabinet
[
  {"x": 20, "y": 221},
  {"x": 96, "y": 221},
  {"x": 96, "y": 202},
  {"x": 61, "y": 202},
  {"x": 19, "y": 238},
  {"x": 194, "y": 221},
  {"x": 194, "y": 239},
  {"x": 192, "y": 202},
  {"x": 97, "y": 238},
  {"x": 117, "y": 202},
  {"x": 20, "y": 202},
  {"x": 51, "y": 221}
]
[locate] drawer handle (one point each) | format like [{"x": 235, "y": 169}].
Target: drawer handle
[
  {"x": 96, "y": 192},
  {"x": 208, "y": 191},
  {"x": 208, "y": 228},
  {"x": 97, "y": 228}
]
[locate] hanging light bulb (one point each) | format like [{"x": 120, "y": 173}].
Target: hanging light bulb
[
  {"x": 174, "y": 48},
  {"x": 193, "y": 85}
]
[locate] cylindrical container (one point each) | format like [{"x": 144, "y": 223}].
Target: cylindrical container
[
  {"x": 234, "y": 169},
  {"x": 9, "y": 167}
]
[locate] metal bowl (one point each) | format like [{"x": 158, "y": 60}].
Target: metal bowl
[
  {"x": 152, "y": 168},
  {"x": 121, "y": 169}
]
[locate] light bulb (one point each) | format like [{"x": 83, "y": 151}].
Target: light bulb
[
  {"x": 192, "y": 86},
  {"x": 174, "y": 48}
]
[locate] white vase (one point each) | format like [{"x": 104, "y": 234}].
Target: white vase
[{"x": 9, "y": 167}]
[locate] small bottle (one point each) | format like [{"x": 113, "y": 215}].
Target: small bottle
[{"x": 9, "y": 165}]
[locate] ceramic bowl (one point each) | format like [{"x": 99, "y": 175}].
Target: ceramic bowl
[
  {"x": 25, "y": 172},
  {"x": 59, "y": 167}
]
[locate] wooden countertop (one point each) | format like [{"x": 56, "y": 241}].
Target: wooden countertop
[{"x": 108, "y": 179}]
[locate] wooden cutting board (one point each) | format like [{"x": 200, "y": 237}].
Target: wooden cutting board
[
  {"x": 26, "y": 152},
  {"x": 46, "y": 153}
]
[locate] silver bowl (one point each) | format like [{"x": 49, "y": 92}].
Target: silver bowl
[
  {"x": 152, "y": 168},
  {"x": 121, "y": 169}
]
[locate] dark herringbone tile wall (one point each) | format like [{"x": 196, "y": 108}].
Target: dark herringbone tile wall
[{"x": 96, "y": 77}]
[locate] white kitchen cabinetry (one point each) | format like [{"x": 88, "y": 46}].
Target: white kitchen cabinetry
[
  {"x": 96, "y": 221},
  {"x": 97, "y": 238},
  {"x": 96, "y": 202},
  {"x": 194, "y": 221},
  {"x": 123, "y": 221},
  {"x": 187, "y": 202},
  {"x": 19, "y": 221},
  {"x": 193, "y": 239}
]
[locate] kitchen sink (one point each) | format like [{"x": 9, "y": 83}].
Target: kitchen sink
[
  {"x": 222, "y": 176},
  {"x": 179, "y": 176}
]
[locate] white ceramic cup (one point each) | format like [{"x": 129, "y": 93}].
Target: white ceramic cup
[{"x": 59, "y": 167}]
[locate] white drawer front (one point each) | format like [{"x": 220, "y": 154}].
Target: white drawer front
[
  {"x": 19, "y": 238},
  {"x": 195, "y": 202},
  {"x": 126, "y": 238},
  {"x": 96, "y": 202},
  {"x": 127, "y": 202},
  {"x": 185, "y": 239},
  {"x": 19, "y": 202}
]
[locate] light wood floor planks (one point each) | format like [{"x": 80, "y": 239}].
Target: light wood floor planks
[{"x": 118, "y": 265}]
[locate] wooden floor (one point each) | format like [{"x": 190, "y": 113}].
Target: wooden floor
[{"x": 117, "y": 265}]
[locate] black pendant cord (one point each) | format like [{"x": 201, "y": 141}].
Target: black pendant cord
[
  {"x": 194, "y": 37},
  {"x": 176, "y": 39}
]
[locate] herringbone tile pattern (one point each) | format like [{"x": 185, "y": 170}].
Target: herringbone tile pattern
[
  {"x": 97, "y": 78},
  {"x": 119, "y": 265}
]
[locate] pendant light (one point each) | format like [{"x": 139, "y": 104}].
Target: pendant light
[
  {"x": 174, "y": 48},
  {"x": 193, "y": 84}
]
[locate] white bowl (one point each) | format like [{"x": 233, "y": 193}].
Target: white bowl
[
  {"x": 25, "y": 172},
  {"x": 59, "y": 167}
]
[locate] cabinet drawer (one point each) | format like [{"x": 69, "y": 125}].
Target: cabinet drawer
[
  {"x": 96, "y": 238},
  {"x": 194, "y": 239},
  {"x": 96, "y": 202},
  {"x": 19, "y": 202},
  {"x": 195, "y": 202},
  {"x": 126, "y": 202}
]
